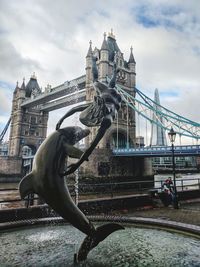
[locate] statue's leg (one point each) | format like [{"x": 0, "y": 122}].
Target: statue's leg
[
  {"x": 106, "y": 123},
  {"x": 71, "y": 112}
]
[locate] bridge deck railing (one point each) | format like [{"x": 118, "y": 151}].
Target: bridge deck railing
[{"x": 158, "y": 150}]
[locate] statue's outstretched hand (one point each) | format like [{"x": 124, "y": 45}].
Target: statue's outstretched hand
[
  {"x": 72, "y": 168},
  {"x": 59, "y": 124}
]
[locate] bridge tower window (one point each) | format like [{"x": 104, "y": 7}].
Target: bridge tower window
[{"x": 119, "y": 140}]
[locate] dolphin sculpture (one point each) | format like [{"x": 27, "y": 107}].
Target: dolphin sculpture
[{"x": 46, "y": 179}]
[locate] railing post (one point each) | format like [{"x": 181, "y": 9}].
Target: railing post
[
  {"x": 161, "y": 184},
  {"x": 182, "y": 185}
]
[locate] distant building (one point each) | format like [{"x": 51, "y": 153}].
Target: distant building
[
  {"x": 158, "y": 136},
  {"x": 165, "y": 163},
  {"x": 139, "y": 141}
]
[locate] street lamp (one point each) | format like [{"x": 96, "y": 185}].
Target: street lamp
[{"x": 172, "y": 137}]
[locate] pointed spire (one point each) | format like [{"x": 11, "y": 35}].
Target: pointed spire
[
  {"x": 23, "y": 84},
  {"x": 34, "y": 76},
  {"x": 110, "y": 34},
  {"x": 89, "y": 53},
  {"x": 131, "y": 58},
  {"x": 104, "y": 44},
  {"x": 32, "y": 85},
  {"x": 17, "y": 87}
]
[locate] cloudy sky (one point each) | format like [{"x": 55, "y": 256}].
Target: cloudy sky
[{"x": 51, "y": 38}]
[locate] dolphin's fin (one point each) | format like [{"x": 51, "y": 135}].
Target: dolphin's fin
[
  {"x": 92, "y": 241},
  {"x": 26, "y": 185},
  {"x": 72, "y": 151}
]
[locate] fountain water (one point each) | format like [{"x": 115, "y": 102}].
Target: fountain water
[{"x": 55, "y": 245}]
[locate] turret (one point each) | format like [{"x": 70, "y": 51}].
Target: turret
[
  {"x": 89, "y": 65},
  {"x": 104, "y": 49},
  {"x": 16, "y": 88},
  {"x": 131, "y": 66},
  {"x": 104, "y": 60},
  {"x": 112, "y": 46},
  {"x": 131, "y": 62},
  {"x": 23, "y": 87},
  {"x": 18, "y": 95},
  {"x": 32, "y": 87}
]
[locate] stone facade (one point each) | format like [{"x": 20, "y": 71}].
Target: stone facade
[
  {"x": 10, "y": 166},
  {"x": 102, "y": 163}
]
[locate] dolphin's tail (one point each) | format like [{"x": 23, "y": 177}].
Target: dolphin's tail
[
  {"x": 92, "y": 241},
  {"x": 26, "y": 185}
]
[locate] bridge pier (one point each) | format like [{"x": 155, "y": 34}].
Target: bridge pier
[{"x": 103, "y": 163}]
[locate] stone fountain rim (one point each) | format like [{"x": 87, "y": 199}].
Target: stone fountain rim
[{"x": 160, "y": 224}]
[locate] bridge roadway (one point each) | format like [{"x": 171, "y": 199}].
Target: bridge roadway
[
  {"x": 165, "y": 151},
  {"x": 66, "y": 94}
]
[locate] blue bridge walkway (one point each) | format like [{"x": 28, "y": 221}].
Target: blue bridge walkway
[{"x": 165, "y": 151}]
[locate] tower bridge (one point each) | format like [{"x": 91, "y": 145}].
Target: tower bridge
[{"x": 31, "y": 106}]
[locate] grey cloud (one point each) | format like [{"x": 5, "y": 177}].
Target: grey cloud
[
  {"x": 5, "y": 103},
  {"x": 52, "y": 38},
  {"x": 13, "y": 65}
]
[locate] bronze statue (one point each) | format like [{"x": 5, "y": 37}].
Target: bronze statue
[
  {"x": 46, "y": 179},
  {"x": 101, "y": 112}
]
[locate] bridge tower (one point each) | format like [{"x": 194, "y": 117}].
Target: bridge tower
[
  {"x": 28, "y": 125},
  {"x": 122, "y": 131}
]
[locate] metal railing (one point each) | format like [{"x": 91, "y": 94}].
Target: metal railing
[{"x": 9, "y": 197}]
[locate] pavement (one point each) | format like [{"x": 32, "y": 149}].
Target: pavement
[{"x": 188, "y": 212}]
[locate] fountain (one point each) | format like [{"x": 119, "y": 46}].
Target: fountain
[{"x": 47, "y": 177}]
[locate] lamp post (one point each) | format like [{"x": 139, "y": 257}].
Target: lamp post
[{"x": 172, "y": 137}]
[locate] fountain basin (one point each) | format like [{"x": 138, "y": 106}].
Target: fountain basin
[{"x": 54, "y": 244}]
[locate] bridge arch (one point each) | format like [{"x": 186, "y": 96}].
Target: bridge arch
[{"x": 28, "y": 150}]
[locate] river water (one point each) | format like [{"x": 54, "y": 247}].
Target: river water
[{"x": 190, "y": 181}]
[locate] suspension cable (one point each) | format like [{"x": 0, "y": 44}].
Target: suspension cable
[
  {"x": 164, "y": 117},
  {"x": 127, "y": 125},
  {"x": 117, "y": 131}
]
